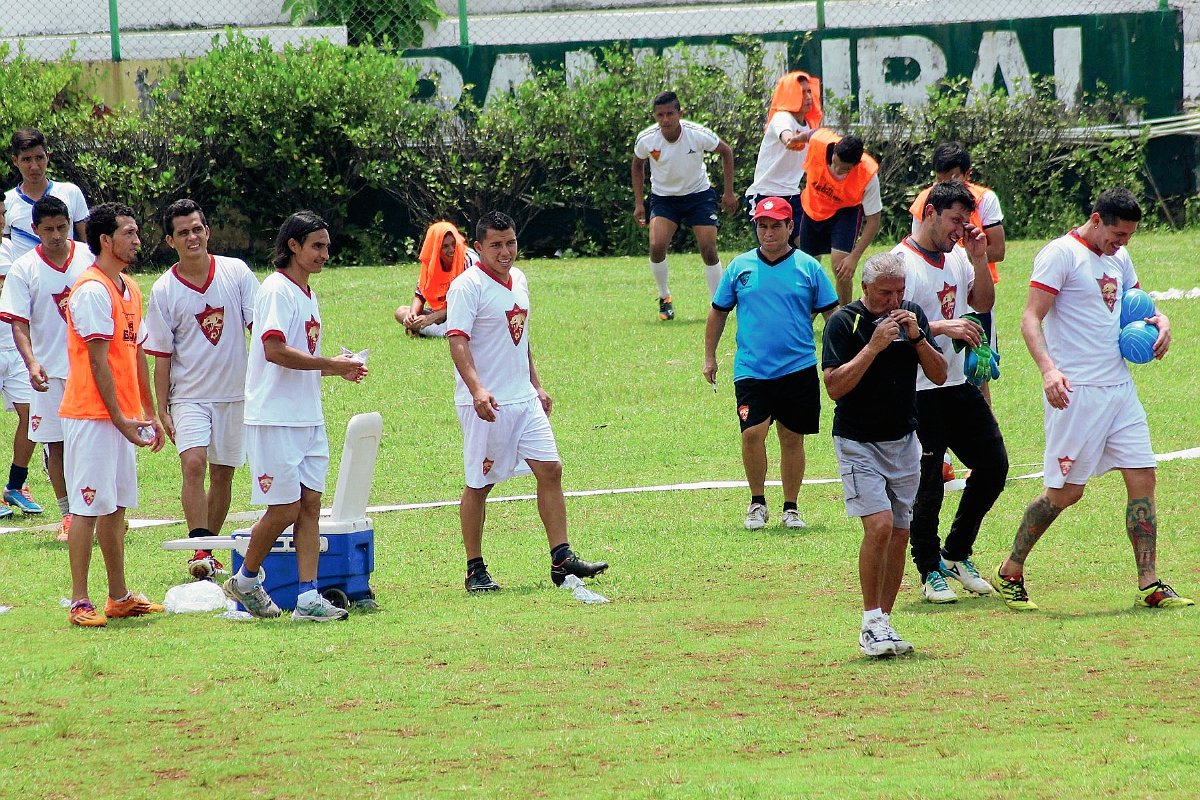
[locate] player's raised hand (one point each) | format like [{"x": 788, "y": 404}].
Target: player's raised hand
[
  {"x": 975, "y": 241},
  {"x": 798, "y": 141}
]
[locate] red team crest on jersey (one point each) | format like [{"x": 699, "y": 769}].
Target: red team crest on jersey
[
  {"x": 655, "y": 154},
  {"x": 947, "y": 296},
  {"x": 212, "y": 323},
  {"x": 89, "y": 494},
  {"x": 1108, "y": 290},
  {"x": 516, "y": 322},
  {"x": 312, "y": 329},
  {"x": 60, "y": 300},
  {"x": 1065, "y": 464},
  {"x": 264, "y": 483},
  {"x": 487, "y": 465},
  {"x": 34, "y": 422}
]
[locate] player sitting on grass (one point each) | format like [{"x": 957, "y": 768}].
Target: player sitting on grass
[
  {"x": 35, "y": 304},
  {"x": 14, "y": 383},
  {"x": 196, "y": 322},
  {"x": 285, "y": 440},
  {"x": 501, "y": 405},
  {"x": 444, "y": 256},
  {"x": 107, "y": 412}
]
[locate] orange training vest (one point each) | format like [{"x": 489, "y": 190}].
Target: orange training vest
[
  {"x": 789, "y": 96},
  {"x": 435, "y": 279},
  {"x": 918, "y": 208},
  {"x": 824, "y": 195},
  {"x": 81, "y": 399}
]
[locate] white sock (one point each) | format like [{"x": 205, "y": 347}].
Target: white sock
[
  {"x": 244, "y": 582},
  {"x": 872, "y": 616},
  {"x": 64, "y": 506},
  {"x": 659, "y": 270},
  {"x": 307, "y": 598},
  {"x": 712, "y": 274}
]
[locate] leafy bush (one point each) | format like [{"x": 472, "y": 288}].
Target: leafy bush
[{"x": 391, "y": 23}]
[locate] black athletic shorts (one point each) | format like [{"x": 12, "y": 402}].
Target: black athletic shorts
[
  {"x": 839, "y": 232},
  {"x": 794, "y": 401},
  {"x": 696, "y": 209}
]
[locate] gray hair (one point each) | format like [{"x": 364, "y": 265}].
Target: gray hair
[{"x": 883, "y": 265}]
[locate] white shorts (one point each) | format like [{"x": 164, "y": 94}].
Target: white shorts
[
  {"x": 44, "y": 422},
  {"x": 218, "y": 427},
  {"x": 283, "y": 459},
  {"x": 100, "y": 466},
  {"x": 14, "y": 379},
  {"x": 1103, "y": 428},
  {"x": 496, "y": 451}
]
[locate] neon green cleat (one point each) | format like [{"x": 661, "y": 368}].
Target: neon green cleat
[
  {"x": 1160, "y": 595},
  {"x": 1013, "y": 591}
]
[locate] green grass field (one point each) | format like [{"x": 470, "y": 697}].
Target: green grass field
[{"x": 727, "y": 664}]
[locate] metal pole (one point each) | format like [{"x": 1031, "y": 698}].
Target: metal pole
[
  {"x": 114, "y": 30},
  {"x": 821, "y": 14},
  {"x": 463, "y": 39}
]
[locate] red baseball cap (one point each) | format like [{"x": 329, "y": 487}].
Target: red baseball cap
[{"x": 772, "y": 208}]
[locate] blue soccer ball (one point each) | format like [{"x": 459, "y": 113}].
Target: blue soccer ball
[
  {"x": 1137, "y": 342},
  {"x": 1136, "y": 305}
]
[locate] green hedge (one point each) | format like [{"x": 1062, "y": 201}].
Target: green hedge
[{"x": 254, "y": 135}]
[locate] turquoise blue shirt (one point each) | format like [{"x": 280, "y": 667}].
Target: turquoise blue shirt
[{"x": 775, "y": 305}]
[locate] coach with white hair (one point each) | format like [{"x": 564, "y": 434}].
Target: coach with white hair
[{"x": 871, "y": 351}]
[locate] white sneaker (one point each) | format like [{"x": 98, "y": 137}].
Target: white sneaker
[
  {"x": 965, "y": 573},
  {"x": 935, "y": 589},
  {"x": 874, "y": 641},
  {"x": 791, "y": 519},
  {"x": 898, "y": 642},
  {"x": 756, "y": 517},
  {"x": 318, "y": 610}
]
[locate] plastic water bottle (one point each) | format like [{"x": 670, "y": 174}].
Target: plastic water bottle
[{"x": 146, "y": 433}]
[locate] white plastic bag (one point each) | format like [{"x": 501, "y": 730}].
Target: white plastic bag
[
  {"x": 193, "y": 597},
  {"x": 581, "y": 592}
]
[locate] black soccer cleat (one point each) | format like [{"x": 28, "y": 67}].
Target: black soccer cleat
[
  {"x": 480, "y": 581},
  {"x": 666, "y": 308},
  {"x": 574, "y": 565}
]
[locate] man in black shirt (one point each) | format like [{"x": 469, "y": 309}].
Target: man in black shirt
[{"x": 871, "y": 351}]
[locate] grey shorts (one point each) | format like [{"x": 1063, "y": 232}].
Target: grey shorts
[{"x": 878, "y": 476}]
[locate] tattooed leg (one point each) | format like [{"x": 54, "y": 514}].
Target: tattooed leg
[
  {"x": 1037, "y": 518},
  {"x": 1141, "y": 523}
]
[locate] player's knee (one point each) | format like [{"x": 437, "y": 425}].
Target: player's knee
[
  {"x": 193, "y": 465},
  {"x": 709, "y": 255},
  {"x": 658, "y": 252}
]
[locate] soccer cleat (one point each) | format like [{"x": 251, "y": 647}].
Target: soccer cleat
[
  {"x": 131, "y": 606},
  {"x": 203, "y": 566},
  {"x": 256, "y": 601},
  {"x": 935, "y": 589},
  {"x": 5, "y": 512},
  {"x": 965, "y": 573},
  {"x": 480, "y": 581},
  {"x": 756, "y": 517},
  {"x": 791, "y": 519},
  {"x": 319, "y": 610},
  {"x": 1160, "y": 595},
  {"x": 666, "y": 309},
  {"x": 64, "y": 527},
  {"x": 1012, "y": 589},
  {"x": 574, "y": 565},
  {"x": 22, "y": 499},
  {"x": 874, "y": 641},
  {"x": 84, "y": 614},
  {"x": 898, "y": 643}
]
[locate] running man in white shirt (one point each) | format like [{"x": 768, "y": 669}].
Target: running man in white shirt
[
  {"x": 35, "y": 304},
  {"x": 285, "y": 440},
  {"x": 1094, "y": 420},
  {"x": 196, "y": 330},
  {"x": 14, "y": 383},
  {"x": 680, "y": 191},
  {"x": 501, "y": 405},
  {"x": 31, "y": 159}
]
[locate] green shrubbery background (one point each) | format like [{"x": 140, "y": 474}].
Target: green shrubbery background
[{"x": 254, "y": 135}]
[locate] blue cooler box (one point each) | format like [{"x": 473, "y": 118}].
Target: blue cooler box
[{"x": 346, "y": 562}]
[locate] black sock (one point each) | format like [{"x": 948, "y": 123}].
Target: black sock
[
  {"x": 474, "y": 564},
  {"x": 561, "y": 553},
  {"x": 789, "y": 506},
  {"x": 761, "y": 499},
  {"x": 16, "y": 477},
  {"x": 194, "y": 532}
]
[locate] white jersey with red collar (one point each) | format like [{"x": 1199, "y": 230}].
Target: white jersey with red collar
[
  {"x": 277, "y": 395},
  {"x": 494, "y": 318},
  {"x": 202, "y": 329},
  {"x": 36, "y": 291},
  {"x": 6, "y": 260},
  {"x": 941, "y": 290},
  {"x": 1084, "y": 322}
]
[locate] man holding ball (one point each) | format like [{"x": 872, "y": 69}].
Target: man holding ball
[{"x": 1094, "y": 420}]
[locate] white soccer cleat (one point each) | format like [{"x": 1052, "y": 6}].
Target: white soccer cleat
[
  {"x": 935, "y": 589},
  {"x": 965, "y": 573},
  {"x": 901, "y": 646},
  {"x": 756, "y": 517},
  {"x": 318, "y": 610},
  {"x": 791, "y": 519},
  {"x": 874, "y": 640}
]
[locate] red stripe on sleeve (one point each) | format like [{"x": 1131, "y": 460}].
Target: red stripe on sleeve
[
  {"x": 457, "y": 332},
  {"x": 271, "y": 333},
  {"x": 1043, "y": 287}
]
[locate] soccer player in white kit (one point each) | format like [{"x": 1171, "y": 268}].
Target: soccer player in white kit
[
  {"x": 35, "y": 304},
  {"x": 285, "y": 437},
  {"x": 14, "y": 383},
  {"x": 32, "y": 160},
  {"x": 680, "y": 191},
  {"x": 501, "y": 404},
  {"x": 1094, "y": 420},
  {"x": 196, "y": 330}
]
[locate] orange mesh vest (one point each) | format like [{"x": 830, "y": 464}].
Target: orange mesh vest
[
  {"x": 435, "y": 280},
  {"x": 81, "y": 399},
  {"x": 824, "y": 195},
  {"x": 918, "y": 208}
]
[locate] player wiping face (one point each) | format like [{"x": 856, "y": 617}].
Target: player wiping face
[{"x": 953, "y": 225}]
